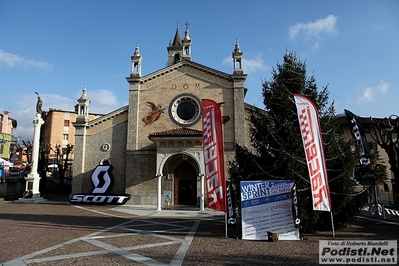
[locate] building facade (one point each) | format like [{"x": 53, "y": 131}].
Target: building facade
[
  {"x": 155, "y": 142},
  {"x": 58, "y": 131},
  {"x": 385, "y": 189},
  {"x": 8, "y": 140}
]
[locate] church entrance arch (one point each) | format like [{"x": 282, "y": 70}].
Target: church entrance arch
[{"x": 185, "y": 184}]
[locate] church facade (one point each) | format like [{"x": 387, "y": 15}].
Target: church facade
[{"x": 155, "y": 142}]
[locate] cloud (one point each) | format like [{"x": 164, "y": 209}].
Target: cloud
[
  {"x": 313, "y": 30},
  {"x": 24, "y": 117},
  {"x": 54, "y": 101},
  {"x": 250, "y": 65},
  {"x": 24, "y": 110},
  {"x": 102, "y": 101},
  {"x": 370, "y": 93},
  {"x": 13, "y": 60}
]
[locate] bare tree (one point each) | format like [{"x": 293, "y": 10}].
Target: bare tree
[
  {"x": 28, "y": 151},
  {"x": 385, "y": 134}
]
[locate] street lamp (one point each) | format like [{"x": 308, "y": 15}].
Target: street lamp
[
  {"x": 45, "y": 149},
  {"x": 388, "y": 123},
  {"x": 57, "y": 151},
  {"x": 66, "y": 151}
]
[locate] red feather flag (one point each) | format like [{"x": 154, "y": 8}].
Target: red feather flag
[
  {"x": 213, "y": 146},
  {"x": 314, "y": 150}
]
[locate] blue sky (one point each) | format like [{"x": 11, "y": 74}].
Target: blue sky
[{"x": 55, "y": 47}]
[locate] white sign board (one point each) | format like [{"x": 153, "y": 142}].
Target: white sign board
[{"x": 269, "y": 206}]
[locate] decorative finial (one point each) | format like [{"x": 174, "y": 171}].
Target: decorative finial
[
  {"x": 137, "y": 51},
  {"x": 186, "y": 36},
  {"x": 237, "y": 48},
  {"x": 84, "y": 94}
]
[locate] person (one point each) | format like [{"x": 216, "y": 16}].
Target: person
[{"x": 1, "y": 174}]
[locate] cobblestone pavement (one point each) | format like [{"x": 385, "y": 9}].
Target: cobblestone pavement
[{"x": 56, "y": 233}]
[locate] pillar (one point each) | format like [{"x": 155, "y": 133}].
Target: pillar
[
  {"x": 202, "y": 196},
  {"x": 159, "y": 192},
  {"x": 33, "y": 178}
]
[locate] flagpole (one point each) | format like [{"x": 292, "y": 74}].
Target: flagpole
[
  {"x": 332, "y": 224},
  {"x": 225, "y": 206},
  {"x": 225, "y": 222}
]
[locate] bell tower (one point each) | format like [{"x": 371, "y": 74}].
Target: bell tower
[
  {"x": 134, "y": 91},
  {"x": 82, "y": 120},
  {"x": 180, "y": 48},
  {"x": 187, "y": 44},
  {"x": 237, "y": 59},
  {"x": 136, "y": 62},
  {"x": 83, "y": 107},
  {"x": 239, "y": 78}
]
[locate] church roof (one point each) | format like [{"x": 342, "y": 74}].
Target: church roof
[
  {"x": 108, "y": 116},
  {"x": 177, "y": 40},
  {"x": 178, "y": 132},
  {"x": 185, "y": 63}
]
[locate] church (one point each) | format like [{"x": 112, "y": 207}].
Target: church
[{"x": 154, "y": 144}]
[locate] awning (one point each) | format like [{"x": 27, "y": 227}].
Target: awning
[{"x": 6, "y": 163}]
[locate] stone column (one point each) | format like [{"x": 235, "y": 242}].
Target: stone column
[
  {"x": 202, "y": 197},
  {"x": 33, "y": 178},
  {"x": 159, "y": 192}
]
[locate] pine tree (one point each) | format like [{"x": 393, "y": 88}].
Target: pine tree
[{"x": 277, "y": 152}]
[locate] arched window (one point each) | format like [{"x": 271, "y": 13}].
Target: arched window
[{"x": 176, "y": 58}]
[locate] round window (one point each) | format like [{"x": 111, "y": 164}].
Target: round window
[{"x": 185, "y": 110}]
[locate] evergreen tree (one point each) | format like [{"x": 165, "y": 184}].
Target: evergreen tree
[{"x": 277, "y": 151}]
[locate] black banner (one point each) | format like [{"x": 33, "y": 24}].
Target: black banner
[
  {"x": 231, "y": 214},
  {"x": 360, "y": 137},
  {"x": 295, "y": 211}
]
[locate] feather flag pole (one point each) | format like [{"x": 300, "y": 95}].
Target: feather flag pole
[{"x": 309, "y": 124}]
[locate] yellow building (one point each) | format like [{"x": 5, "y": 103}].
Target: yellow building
[
  {"x": 385, "y": 189},
  {"x": 58, "y": 132}
]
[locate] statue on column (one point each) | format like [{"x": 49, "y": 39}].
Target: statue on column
[{"x": 39, "y": 104}]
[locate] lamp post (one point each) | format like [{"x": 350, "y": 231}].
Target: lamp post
[
  {"x": 65, "y": 152},
  {"x": 45, "y": 149},
  {"x": 62, "y": 154},
  {"x": 57, "y": 152}
]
